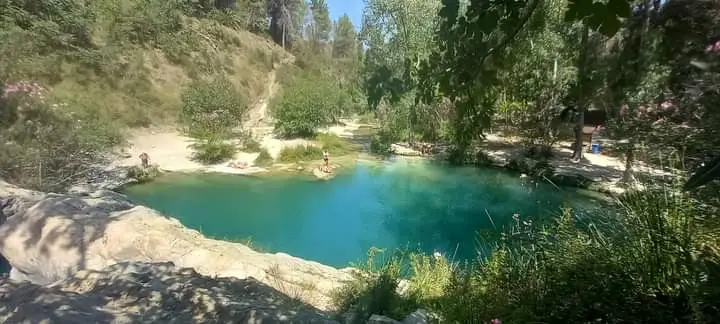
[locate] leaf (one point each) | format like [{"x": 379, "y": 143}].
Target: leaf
[
  {"x": 610, "y": 26},
  {"x": 578, "y": 10},
  {"x": 620, "y": 8}
]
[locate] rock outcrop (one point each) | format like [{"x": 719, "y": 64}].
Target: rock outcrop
[
  {"x": 138, "y": 292},
  {"x": 50, "y": 237}
]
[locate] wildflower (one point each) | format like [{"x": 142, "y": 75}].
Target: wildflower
[
  {"x": 437, "y": 255},
  {"x": 495, "y": 321}
]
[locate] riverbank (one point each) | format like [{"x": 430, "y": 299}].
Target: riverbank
[{"x": 596, "y": 172}]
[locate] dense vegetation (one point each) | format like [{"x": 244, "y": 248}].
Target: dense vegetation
[
  {"x": 75, "y": 74},
  {"x": 652, "y": 66}
]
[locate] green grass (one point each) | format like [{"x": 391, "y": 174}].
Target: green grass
[
  {"x": 212, "y": 151},
  {"x": 300, "y": 153},
  {"x": 264, "y": 159},
  {"x": 336, "y": 145},
  {"x": 250, "y": 145}
]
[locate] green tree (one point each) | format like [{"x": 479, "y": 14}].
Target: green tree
[
  {"x": 345, "y": 38},
  {"x": 321, "y": 25},
  {"x": 282, "y": 18},
  {"x": 256, "y": 11}
]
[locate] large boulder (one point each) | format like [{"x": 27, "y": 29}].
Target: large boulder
[
  {"x": 49, "y": 237},
  {"x": 137, "y": 292}
]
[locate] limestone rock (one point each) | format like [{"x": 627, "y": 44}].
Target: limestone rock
[
  {"x": 48, "y": 237},
  {"x": 138, "y": 292},
  {"x": 403, "y": 150},
  {"x": 420, "y": 316},
  {"x": 378, "y": 319},
  {"x": 323, "y": 175}
]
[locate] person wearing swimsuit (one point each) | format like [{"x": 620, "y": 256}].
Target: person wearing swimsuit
[{"x": 326, "y": 159}]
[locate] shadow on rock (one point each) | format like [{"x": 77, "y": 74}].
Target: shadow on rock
[{"x": 133, "y": 292}]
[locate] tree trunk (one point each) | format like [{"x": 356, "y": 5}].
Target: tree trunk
[
  {"x": 283, "y": 36},
  {"x": 628, "y": 176},
  {"x": 582, "y": 85}
]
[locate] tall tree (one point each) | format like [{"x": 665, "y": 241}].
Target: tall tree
[
  {"x": 344, "y": 38},
  {"x": 257, "y": 14},
  {"x": 281, "y": 14},
  {"x": 321, "y": 25}
]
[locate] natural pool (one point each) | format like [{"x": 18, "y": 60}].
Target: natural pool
[{"x": 398, "y": 204}]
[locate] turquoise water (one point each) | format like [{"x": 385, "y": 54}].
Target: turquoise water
[{"x": 401, "y": 204}]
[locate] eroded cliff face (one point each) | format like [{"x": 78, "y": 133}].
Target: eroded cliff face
[
  {"x": 139, "y": 292},
  {"x": 52, "y": 237}
]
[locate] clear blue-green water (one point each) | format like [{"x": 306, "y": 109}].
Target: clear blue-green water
[{"x": 400, "y": 204}]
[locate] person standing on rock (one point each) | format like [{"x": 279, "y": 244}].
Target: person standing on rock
[
  {"x": 144, "y": 160},
  {"x": 326, "y": 160}
]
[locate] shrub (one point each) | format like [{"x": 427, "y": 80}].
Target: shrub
[
  {"x": 293, "y": 154},
  {"x": 264, "y": 159},
  {"x": 213, "y": 151},
  {"x": 334, "y": 144},
  {"x": 374, "y": 289},
  {"x": 143, "y": 174},
  {"x": 251, "y": 145},
  {"x": 212, "y": 108},
  {"x": 304, "y": 105},
  {"x": 380, "y": 143},
  {"x": 45, "y": 147}
]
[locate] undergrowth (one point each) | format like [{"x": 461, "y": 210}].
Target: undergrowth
[
  {"x": 213, "y": 151},
  {"x": 264, "y": 159},
  {"x": 300, "y": 153},
  {"x": 110, "y": 65}
]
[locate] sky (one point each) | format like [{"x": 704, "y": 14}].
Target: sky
[{"x": 351, "y": 7}]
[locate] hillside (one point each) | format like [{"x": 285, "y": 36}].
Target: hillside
[{"x": 96, "y": 72}]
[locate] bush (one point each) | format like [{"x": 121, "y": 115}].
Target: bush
[
  {"x": 213, "y": 151},
  {"x": 264, "y": 159},
  {"x": 212, "y": 108},
  {"x": 336, "y": 145},
  {"x": 300, "y": 153},
  {"x": 44, "y": 146},
  {"x": 304, "y": 105},
  {"x": 380, "y": 143},
  {"x": 374, "y": 289},
  {"x": 251, "y": 145},
  {"x": 143, "y": 174}
]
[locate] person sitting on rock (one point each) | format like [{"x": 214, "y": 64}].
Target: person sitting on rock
[{"x": 144, "y": 160}]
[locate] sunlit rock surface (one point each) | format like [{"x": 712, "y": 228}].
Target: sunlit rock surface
[{"x": 49, "y": 237}]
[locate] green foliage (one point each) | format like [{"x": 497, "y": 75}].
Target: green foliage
[
  {"x": 335, "y": 145},
  {"x": 46, "y": 146},
  {"x": 251, "y": 145},
  {"x": 345, "y": 39},
  {"x": 212, "y": 108},
  {"x": 380, "y": 143},
  {"x": 374, "y": 289},
  {"x": 300, "y": 153},
  {"x": 143, "y": 174},
  {"x": 305, "y": 104},
  {"x": 264, "y": 159},
  {"x": 212, "y": 151}
]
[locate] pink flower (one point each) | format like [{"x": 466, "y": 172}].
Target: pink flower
[
  {"x": 495, "y": 321},
  {"x": 715, "y": 47}
]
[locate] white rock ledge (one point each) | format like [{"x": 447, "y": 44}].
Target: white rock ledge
[{"x": 50, "y": 237}]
